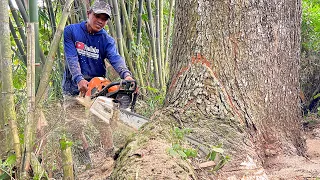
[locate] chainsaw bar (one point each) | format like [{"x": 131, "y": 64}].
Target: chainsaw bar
[{"x": 132, "y": 119}]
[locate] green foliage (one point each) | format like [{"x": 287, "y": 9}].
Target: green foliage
[
  {"x": 310, "y": 27},
  {"x": 177, "y": 150},
  {"x": 217, "y": 154},
  {"x": 180, "y": 133},
  {"x": 7, "y": 166},
  {"x": 153, "y": 100},
  {"x": 64, "y": 143}
]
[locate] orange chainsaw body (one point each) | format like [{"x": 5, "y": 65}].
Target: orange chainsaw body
[{"x": 97, "y": 84}]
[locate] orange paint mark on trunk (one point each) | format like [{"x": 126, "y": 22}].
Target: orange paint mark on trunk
[
  {"x": 200, "y": 59},
  {"x": 174, "y": 80}
]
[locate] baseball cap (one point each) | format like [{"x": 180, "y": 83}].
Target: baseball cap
[{"x": 100, "y": 7}]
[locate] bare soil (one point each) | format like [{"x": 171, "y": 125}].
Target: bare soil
[{"x": 278, "y": 167}]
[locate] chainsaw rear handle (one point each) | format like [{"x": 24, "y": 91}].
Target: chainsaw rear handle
[{"x": 128, "y": 86}]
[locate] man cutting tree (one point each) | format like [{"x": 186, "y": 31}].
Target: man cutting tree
[{"x": 86, "y": 46}]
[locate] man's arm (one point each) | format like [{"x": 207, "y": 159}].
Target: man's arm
[
  {"x": 72, "y": 60},
  {"x": 116, "y": 60},
  {"x": 71, "y": 55}
]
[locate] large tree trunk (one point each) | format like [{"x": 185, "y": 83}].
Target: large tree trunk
[{"x": 234, "y": 80}]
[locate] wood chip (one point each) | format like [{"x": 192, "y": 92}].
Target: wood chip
[{"x": 206, "y": 164}]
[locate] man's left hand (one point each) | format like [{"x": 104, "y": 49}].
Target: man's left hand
[{"x": 128, "y": 78}]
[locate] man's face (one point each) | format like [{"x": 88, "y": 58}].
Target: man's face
[{"x": 96, "y": 21}]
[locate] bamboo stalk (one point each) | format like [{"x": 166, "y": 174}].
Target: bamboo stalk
[
  {"x": 28, "y": 133},
  {"x": 23, "y": 11},
  {"x": 153, "y": 46},
  {"x": 67, "y": 162},
  {"x": 158, "y": 48},
  {"x": 118, "y": 27},
  {"x": 7, "y": 93},
  {"x": 83, "y": 9},
  {"x": 51, "y": 15},
  {"x": 18, "y": 23},
  {"x": 161, "y": 40},
  {"x": 168, "y": 37},
  {"x": 126, "y": 19},
  {"x": 37, "y": 169},
  {"x": 128, "y": 60},
  {"x": 139, "y": 21},
  {"x": 45, "y": 77},
  {"x": 18, "y": 43},
  {"x": 134, "y": 2},
  {"x": 110, "y": 23}
]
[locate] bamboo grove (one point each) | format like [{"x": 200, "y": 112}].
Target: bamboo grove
[{"x": 141, "y": 28}]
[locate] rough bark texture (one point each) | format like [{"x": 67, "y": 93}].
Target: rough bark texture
[{"x": 234, "y": 79}]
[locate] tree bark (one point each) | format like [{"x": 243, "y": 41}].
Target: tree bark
[{"x": 233, "y": 80}]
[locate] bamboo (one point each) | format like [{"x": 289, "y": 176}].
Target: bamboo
[
  {"x": 128, "y": 60},
  {"x": 158, "y": 48},
  {"x": 2, "y": 123},
  {"x": 168, "y": 37},
  {"x": 153, "y": 47},
  {"x": 7, "y": 93},
  {"x": 139, "y": 21},
  {"x": 111, "y": 29},
  {"x": 18, "y": 43},
  {"x": 23, "y": 11},
  {"x": 67, "y": 162},
  {"x": 51, "y": 15},
  {"x": 134, "y": 2},
  {"x": 126, "y": 19},
  {"x": 29, "y": 129},
  {"x": 37, "y": 169},
  {"x": 45, "y": 77},
  {"x": 161, "y": 40},
  {"x": 18, "y": 23},
  {"x": 110, "y": 24},
  {"x": 118, "y": 27},
  {"x": 83, "y": 10}
]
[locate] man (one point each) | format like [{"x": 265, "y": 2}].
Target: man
[{"x": 86, "y": 45}]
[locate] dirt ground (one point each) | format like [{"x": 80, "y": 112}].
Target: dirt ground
[
  {"x": 277, "y": 168},
  {"x": 294, "y": 167},
  {"x": 297, "y": 167}
]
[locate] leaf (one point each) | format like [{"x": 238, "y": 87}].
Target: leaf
[
  {"x": 173, "y": 153},
  {"x": 217, "y": 149},
  {"x": 64, "y": 144},
  {"x": 10, "y": 160},
  {"x": 316, "y": 96},
  {"x": 144, "y": 17},
  {"x": 4, "y": 176},
  {"x": 182, "y": 154},
  {"x": 212, "y": 155},
  {"x": 190, "y": 152}
]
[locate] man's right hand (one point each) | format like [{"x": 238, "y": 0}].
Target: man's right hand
[{"x": 83, "y": 87}]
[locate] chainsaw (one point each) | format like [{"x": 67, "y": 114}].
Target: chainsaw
[{"x": 104, "y": 95}]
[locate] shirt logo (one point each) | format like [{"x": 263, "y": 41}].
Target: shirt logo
[
  {"x": 80, "y": 45},
  {"x": 84, "y": 50}
]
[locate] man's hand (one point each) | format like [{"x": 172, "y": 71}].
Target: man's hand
[
  {"x": 128, "y": 78},
  {"x": 83, "y": 87}
]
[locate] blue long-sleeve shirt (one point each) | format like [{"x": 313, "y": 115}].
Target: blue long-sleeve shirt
[{"x": 85, "y": 54}]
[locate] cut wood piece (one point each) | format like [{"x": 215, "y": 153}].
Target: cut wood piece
[{"x": 206, "y": 164}]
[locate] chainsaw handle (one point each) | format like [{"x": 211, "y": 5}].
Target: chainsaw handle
[{"x": 127, "y": 84}]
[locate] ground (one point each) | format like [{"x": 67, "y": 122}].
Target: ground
[{"x": 279, "y": 167}]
